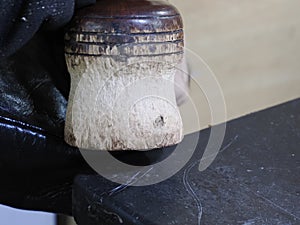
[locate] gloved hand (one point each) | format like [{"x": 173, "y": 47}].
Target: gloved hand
[
  {"x": 36, "y": 166},
  {"x": 20, "y": 19}
]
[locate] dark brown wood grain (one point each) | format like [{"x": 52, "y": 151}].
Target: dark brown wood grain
[{"x": 155, "y": 26}]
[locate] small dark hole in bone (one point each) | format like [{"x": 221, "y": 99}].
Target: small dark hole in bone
[{"x": 159, "y": 122}]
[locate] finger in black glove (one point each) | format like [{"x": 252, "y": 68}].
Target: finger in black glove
[{"x": 20, "y": 20}]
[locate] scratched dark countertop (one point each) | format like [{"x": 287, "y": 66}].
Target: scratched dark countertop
[{"x": 255, "y": 179}]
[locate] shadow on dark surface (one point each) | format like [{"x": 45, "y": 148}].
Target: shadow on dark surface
[{"x": 143, "y": 158}]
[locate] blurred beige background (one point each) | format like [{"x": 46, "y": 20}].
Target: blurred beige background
[{"x": 253, "y": 48}]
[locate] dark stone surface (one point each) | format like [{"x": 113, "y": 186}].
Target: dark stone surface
[{"x": 255, "y": 179}]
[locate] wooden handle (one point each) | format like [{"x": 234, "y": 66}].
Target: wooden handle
[
  {"x": 122, "y": 57},
  {"x": 154, "y": 26}
]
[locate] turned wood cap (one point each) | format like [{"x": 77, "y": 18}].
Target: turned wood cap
[{"x": 125, "y": 27}]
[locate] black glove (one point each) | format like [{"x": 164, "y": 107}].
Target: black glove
[
  {"x": 20, "y": 20},
  {"x": 37, "y": 168}
]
